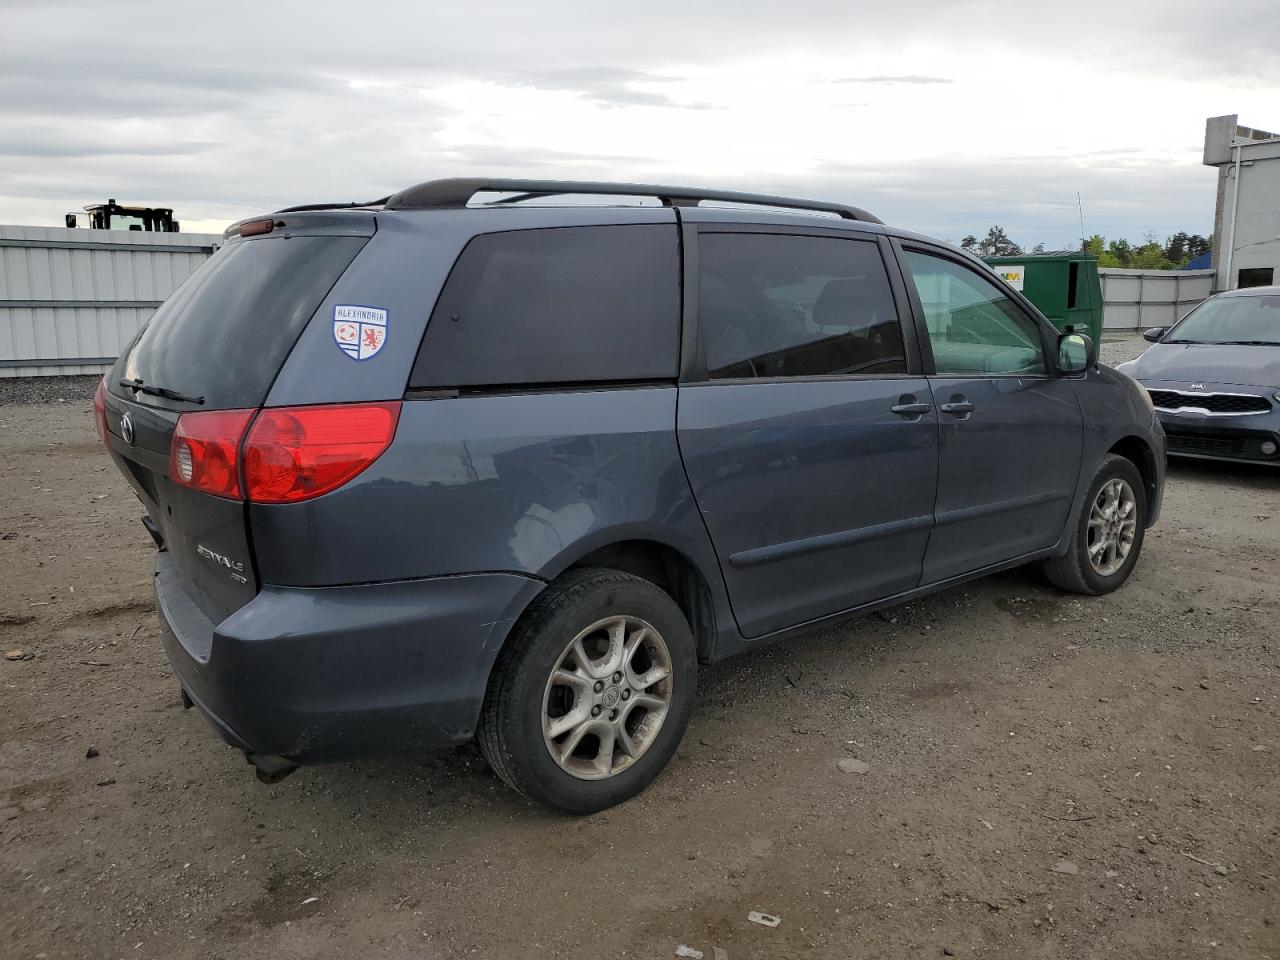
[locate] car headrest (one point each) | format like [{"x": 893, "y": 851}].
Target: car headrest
[{"x": 848, "y": 302}]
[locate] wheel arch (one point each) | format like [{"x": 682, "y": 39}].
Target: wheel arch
[
  {"x": 1136, "y": 450},
  {"x": 667, "y": 567}
]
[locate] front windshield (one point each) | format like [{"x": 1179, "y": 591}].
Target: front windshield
[
  {"x": 120, "y": 221},
  {"x": 1231, "y": 320}
]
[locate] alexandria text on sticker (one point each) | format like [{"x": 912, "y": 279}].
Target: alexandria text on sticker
[{"x": 359, "y": 332}]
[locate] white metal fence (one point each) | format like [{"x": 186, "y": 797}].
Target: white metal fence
[
  {"x": 71, "y": 299},
  {"x": 1137, "y": 299}
]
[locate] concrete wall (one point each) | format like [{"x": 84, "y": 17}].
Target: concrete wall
[
  {"x": 71, "y": 299},
  {"x": 1137, "y": 299}
]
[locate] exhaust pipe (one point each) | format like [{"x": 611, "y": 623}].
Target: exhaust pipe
[{"x": 270, "y": 768}]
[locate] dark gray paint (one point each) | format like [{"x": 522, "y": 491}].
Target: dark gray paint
[
  {"x": 817, "y": 495},
  {"x": 1115, "y": 411},
  {"x": 525, "y": 483},
  {"x": 186, "y": 520},
  {"x": 346, "y": 670},
  {"x": 384, "y": 603},
  {"x": 1007, "y": 471}
]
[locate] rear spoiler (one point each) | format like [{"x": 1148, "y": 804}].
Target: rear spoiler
[{"x": 314, "y": 221}]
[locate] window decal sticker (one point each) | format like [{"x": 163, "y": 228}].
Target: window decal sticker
[{"x": 360, "y": 332}]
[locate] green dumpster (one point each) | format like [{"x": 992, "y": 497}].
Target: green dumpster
[{"x": 1064, "y": 285}]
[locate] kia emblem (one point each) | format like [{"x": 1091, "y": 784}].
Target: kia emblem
[{"x": 126, "y": 429}]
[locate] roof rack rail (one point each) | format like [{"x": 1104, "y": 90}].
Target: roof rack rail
[{"x": 459, "y": 191}]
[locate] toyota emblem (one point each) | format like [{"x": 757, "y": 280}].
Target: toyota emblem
[{"x": 126, "y": 429}]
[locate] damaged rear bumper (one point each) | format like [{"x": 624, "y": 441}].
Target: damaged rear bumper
[{"x": 317, "y": 673}]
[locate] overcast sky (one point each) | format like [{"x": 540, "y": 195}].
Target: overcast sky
[{"x": 942, "y": 116}]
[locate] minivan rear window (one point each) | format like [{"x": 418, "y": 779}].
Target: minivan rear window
[
  {"x": 225, "y": 333},
  {"x": 557, "y": 305}
]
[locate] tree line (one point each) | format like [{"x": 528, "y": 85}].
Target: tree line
[{"x": 1151, "y": 254}]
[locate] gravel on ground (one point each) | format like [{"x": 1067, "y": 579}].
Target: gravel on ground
[{"x": 1037, "y": 775}]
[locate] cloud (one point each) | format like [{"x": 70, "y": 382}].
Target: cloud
[
  {"x": 96, "y": 86},
  {"x": 604, "y": 85},
  {"x": 490, "y": 158},
  {"x": 912, "y": 78},
  {"x": 61, "y": 145},
  {"x": 961, "y": 116},
  {"x": 1034, "y": 200}
]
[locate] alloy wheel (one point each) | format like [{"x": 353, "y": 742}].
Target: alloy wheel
[
  {"x": 607, "y": 697},
  {"x": 1113, "y": 525}
]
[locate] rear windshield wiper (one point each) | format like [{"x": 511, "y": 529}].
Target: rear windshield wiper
[{"x": 138, "y": 385}]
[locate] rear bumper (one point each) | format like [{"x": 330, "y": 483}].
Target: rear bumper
[{"x": 322, "y": 673}]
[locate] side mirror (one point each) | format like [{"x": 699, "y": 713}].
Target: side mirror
[
  {"x": 1076, "y": 353},
  {"x": 1154, "y": 334},
  {"x": 70, "y": 221}
]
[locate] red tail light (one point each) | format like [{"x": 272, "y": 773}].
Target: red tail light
[
  {"x": 288, "y": 454},
  {"x": 205, "y": 451},
  {"x": 100, "y": 409},
  {"x": 296, "y": 453}
]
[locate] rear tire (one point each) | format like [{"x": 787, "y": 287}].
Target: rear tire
[
  {"x": 1107, "y": 534},
  {"x": 591, "y": 695}
]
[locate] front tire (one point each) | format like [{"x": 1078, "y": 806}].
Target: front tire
[
  {"x": 592, "y": 693},
  {"x": 1107, "y": 535}
]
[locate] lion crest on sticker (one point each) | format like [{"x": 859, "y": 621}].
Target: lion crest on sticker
[{"x": 359, "y": 332}]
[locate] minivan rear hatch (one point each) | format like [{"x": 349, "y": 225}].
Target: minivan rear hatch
[{"x": 217, "y": 344}]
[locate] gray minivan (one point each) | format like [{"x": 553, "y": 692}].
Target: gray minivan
[{"x": 508, "y": 459}]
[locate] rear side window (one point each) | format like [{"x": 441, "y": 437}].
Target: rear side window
[
  {"x": 794, "y": 306},
  {"x": 225, "y": 333},
  {"x": 561, "y": 305}
]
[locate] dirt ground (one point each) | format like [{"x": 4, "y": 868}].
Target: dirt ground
[{"x": 1049, "y": 776}]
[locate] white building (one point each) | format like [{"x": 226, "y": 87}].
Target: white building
[{"x": 1246, "y": 226}]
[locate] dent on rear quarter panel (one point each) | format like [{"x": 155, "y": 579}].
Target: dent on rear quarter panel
[{"x": 518, "y": 483}]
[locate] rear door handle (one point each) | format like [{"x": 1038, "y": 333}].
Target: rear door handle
[
  {"x": 958, "y": 408},
  {"x": 912, "y": 411}
]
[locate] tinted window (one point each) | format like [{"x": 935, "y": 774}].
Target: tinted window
[
  {"x": 973, "y": 326},
  {"x": 225, "y": 333},
  {"x": 790, "y": 306},
  {"x": 557, "y": 306}
]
